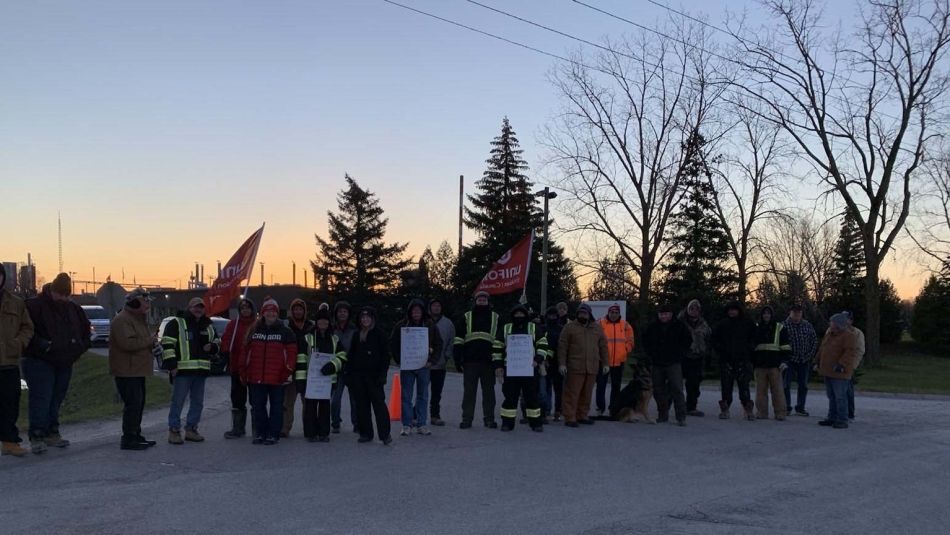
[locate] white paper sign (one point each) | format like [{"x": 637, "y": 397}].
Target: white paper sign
[
  {"x": 318, "y": 385},
  {"x": 414, "y": 350},
  {"x": 519, "y": 353}
]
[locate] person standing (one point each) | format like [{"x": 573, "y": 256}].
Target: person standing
[
  {"x": 619, "y": 335},
  {"x": 667, "y": 342},
  {"x": 733, "y": 343},
  {"x": 368, "y": 362},
  {"x": 343, "y": 328},
  {"x": 301, "y": 326},
  {"x": 769, "y": 358},
  {"x": 836, "y": 360},
  {"x": 132, "y": 347},
  {"x": 694, "y": 363},
  {"x": 476, "y": 346},
  {"x": 271, "y": 360},
  {"x": 16, "y": 330},
  {"x": 554, "y": 383},
  {"x": 862, "y": 348},
  {"x": 316, "y": 412},
  {"x": 188, "y": 344},
  {"x": 415, "y": 383},
  {"x": 235, "y": 340},
  {"x": 437, "y": 373},
  {"x": 581, "y": 353},
  {"x": 61, "y": 334},
  {"x": 514, "y": 387},
  {"x": 804, "y": 343}
]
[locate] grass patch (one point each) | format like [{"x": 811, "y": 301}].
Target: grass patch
[
  {"x": 906, "y": 369},
  {"x": 92, "y": 394}
]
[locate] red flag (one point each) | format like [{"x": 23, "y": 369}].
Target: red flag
[
  {"x": 228, "y": 285},
  {"x": 510, "y": 272}
]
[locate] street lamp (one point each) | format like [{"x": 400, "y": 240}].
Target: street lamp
[{"x": 547, "y": 194}]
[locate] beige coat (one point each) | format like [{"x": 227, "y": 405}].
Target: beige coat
[
  {"x": 130, "y": 346},
  {"x": 837, "y": 348},
  {"x": 16, "y": 329},
  {"x": 582, "y": 348}
]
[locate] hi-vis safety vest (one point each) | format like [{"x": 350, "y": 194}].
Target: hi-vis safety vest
[
  {"x": 540, "y": 346},
  {"x": 776, "y": 344},
  {"x": 490, "y": 337},
  {"x": 303, "y": 359},
  {"x": 185, "y": 361}
]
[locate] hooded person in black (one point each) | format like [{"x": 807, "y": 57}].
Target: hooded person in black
[
  {"x": 732, "y": 340},
  {"x": 667, "y": 342},
  {"x": 514, "y": 387},
  {"x": 368, "y": 364},
  {"x": 316, "y": 412},
  {"x": 415, "y": 416},
  {"x": 301, "y": 326},
  {"x": 476, "y": 345},
  {"x": 553, "y": 383},
  {"x": 344, "y": 325}
]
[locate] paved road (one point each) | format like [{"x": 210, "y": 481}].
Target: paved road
[{"x": 887, "y": 474}]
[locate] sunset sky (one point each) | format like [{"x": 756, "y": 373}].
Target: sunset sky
[{"x": 166, "y": 132}]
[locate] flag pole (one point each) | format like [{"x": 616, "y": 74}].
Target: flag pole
[
  {"x": 248, "y": 283},
  {"x": 524, "y": 290}
]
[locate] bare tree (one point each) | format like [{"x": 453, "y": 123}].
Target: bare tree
[
  {"x": 930, "y": 230},
  {"x": 618, "y": 144},
  {"x": 799, "y": 246},
  {"x": 746, "y": 184},
  {"x": 860, "y": 108}
]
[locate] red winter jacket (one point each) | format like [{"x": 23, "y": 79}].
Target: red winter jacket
[
  {"x": 271, "y": 355},
  {"x": 234, "y": 344}
]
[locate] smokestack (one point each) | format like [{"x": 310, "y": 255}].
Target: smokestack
[
  {"x": 219, "y": 269},
  {"x": 294, "y": 278},
  {"x": 197, "y": 272},
  {"x": 202, "y": 273}
]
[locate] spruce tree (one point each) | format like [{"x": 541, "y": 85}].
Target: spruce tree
[
  {"x": 697, "y": 266},
  {"x": 847, "y": 281},
  {"x": 354, "y": 259},
  {"x": 442, "y": 269},
  {"x": 931, "y": 325},
  {"x": 503, "y": 210}
]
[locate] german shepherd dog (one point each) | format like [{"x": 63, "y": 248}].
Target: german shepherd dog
[{"x": 633, "y": 402}]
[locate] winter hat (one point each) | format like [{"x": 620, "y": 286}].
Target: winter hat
[
  {"x": 195, "y": 301},
  {"x": 416, "y": 303},
  {"x": 481, "y": 293},
  {"x": 299, "y": 303},
  {"x": 840, "y": 320},
  {"x": 249, "y": 302},
  {"x": 694, "y": 303},
  {"x": 136, "y": 293},
  {"x": 585, "y": 308},
  {"x": 323, "y": 314},
  {"x": 768, "y": 309},
  {"x": 613, "y": 307},
  {"x": 519, "y": 308},
  {"x": 551, "y": 312},
  {"x": 665, "y": 307},
  {"x": 734, "y": 305},
  {"x": 270, "y": 304},
  {"x": 62, "y": 284}
]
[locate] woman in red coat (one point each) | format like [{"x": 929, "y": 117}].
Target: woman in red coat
[
  {"x": 233, "y": 348},
  {"x": 271, "y": 358}
]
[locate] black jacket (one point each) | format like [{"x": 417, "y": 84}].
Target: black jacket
[
  {"x": 369, "y": 357},
  {"x": 200, "y": 332},
  {"x": 667, "y": 343},
  {"x": 768, "y": 353},
  {"x": 477, "y": 349},
  {"x": 61, "y": 330},
  {"x": 435, "y": 339},
  {"x": 733, "y": 339}
]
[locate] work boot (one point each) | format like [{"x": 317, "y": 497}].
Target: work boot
[
  {"x": 438, "y": 422},
  {"x": 145, "y": 441},
  {"x": 663, "y": 417},
  {"x": 174, "y": 437},
  {"x": 507, "y": 427},
  {"x": 12, "y": 448},
  {"x": 238, "y": 424},
  {"x": 192, "y": 435},
  {"x": 723, "y": 410},
  {"x": 491, "y": 424},
  {"x": 537, "y": 429},
  {"x": 37, "y": 445},
  {"x": 696, "y": 413},
  {"x": 466, "y": 424},
  {"x": 557, "y": 417},
  {"x": 133, "y": 444},
  {"x": 54, "y": 440},
  {"x": 749, "y": 407}
]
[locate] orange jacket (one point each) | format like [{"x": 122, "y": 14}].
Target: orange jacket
[{"x": 619, "y": 340}]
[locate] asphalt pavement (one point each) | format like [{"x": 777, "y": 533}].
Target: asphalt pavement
[{"x": 888, "y": 473}]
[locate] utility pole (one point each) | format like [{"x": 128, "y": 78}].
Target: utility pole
[
  {"x": 461, "y": 212},
  {"x": 294, "y": 277},
  {"x": 262, "y": 274},
  {"x": 548, "y": 195},
  {"x": 305, "y": 279}
]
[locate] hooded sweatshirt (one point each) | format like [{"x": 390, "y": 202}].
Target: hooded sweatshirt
[
  {"x": 733, "y": 337},
  {"x": 61, "y": 330},
  {"x": 303, "y": 327},
  {"x": 435, "y": 339},
  {"x": 369, "y": 355},
  {"x": 234, "y": 339},
  {"x": 344, "y": 331},
  {"x": 771, "y": 342},
  {"x": 447, "y": 334}
]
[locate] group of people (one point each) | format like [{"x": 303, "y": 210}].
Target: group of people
[{"x": 269, "y": 360}]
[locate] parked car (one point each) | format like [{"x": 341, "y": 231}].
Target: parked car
[
  {"x": 100, "y": 324},
  {"x": 218, "y": 366}
]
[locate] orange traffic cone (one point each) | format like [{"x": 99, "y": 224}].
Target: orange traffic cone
[{"x": 395, "y": 400}]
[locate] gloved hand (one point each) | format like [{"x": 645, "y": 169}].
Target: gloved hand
[
  {"x": 157, "y": 351},
  {"x": 838, "y": 368},
  {"x": 328, "y": 369},
  {"x": 500, "y": 375},
  {"x": 562, "y": 369},
  {"x": 605, "y": 370},
  {"x": 783, "y": 366},
  {"x": 459, "y": 367}
]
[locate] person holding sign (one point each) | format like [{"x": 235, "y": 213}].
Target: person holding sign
[
  {"x": 271, "y": 357},
  {"x": 319, "y": 348},
  {"x": 416, "y": 346},
  {"x": 517, "y": 369}
]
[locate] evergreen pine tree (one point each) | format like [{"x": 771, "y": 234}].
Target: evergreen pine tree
[
  {"x": 503, "y": 210},
  {"x": 697, "y": 265},
  {"x": 442, "y": 269},
  {"x": 354, "y": 259},
  {"x": 931, "y": 324},
  {"x": 847, "y": 281}
]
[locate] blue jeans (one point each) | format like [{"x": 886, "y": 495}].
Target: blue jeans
[
  {"x": 544, "y": 396},
  {"x": 268, "y": 423},
  {"x": 800, "y": 374},
  {"x": 48, "y": 386},
  {"x": 187, "y": 387},
  {"x": 418, "y": 413},
  {"x": 851, "y": 398},
  {"x": 336, "y": 403},
  {"x": 837, "y": 390}
]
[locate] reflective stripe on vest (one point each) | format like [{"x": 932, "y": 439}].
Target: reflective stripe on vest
[
  {"x": 480, "y": 335},
  {"x": 776, "y": 341},
  {"x": 185, "y": 362}
]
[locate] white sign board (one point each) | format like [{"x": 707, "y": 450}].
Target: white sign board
[
  {"x": 318, "y": 385},
  {"x": 519, "y": 355},
  {"x": 414, "y": 348},
  {"x": 599, "y": 308}
]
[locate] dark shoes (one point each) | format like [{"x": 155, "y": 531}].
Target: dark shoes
[
  {"x": 696, "y": 413},
  {"x": 507, "y": 427},
  {"x": 491, "y": 424},
  {"x": 801, "y": 412},
  {"x": 570, "y": 424},
  {"x": 681, "y": 423},
  {"x": 438, "y": 422},
  {"x": 258, "y": 440},
  {"x": 335, "y": 430},
  {"x": 465, "y": 425},
  {"x": 538, "y": 429},
  {"x": 387, "y": 441},
  {"x": 839, "y": 425},
  {"x": 826, "y": 423},
  {"x": 364, "y": 440},
  {"x": 586, "y": 422}
]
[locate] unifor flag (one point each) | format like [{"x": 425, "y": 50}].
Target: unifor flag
[
  {"x": 228, "y": 285},
  {"x": 510, "y": 272}
]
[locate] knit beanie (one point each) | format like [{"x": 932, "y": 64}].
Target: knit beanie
[
  {"x": 840, "y": 320},
  {"x": 270, "y": 304},
  {"x": 62, "y": 284}
]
